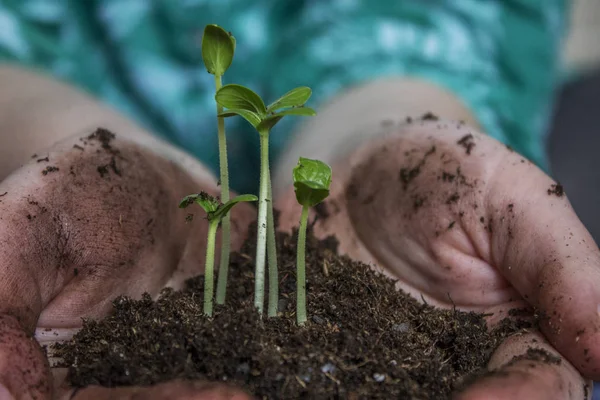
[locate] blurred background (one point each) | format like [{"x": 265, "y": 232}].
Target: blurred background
[{"x": 574, "y": 142}]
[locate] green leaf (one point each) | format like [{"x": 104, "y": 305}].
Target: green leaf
[
  {"x": 239, "y": 97},
  {"x": 249, "y": 116},
  {"x": 300, "y": 111},
  {"x": 208, "y": 203},
  {"x": 269, "y": 122},
  {"x": 218, "y": 47},
  {"x": 225, "y": 208},
  {"x": 312, "y": 179},
  {"x": 294, "y": 98}
]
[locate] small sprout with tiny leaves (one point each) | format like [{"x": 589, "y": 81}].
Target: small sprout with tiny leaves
[
  {"x": 312, "y": 179},
  {"x": 218, "y": 48},
  {"x": 240, "y": 101},
  {"x": 215, "y": 213}
]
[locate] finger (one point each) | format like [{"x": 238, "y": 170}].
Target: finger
[
  {"x": 177, "y": 390},
  {"x": 24, "y": 372},
  {"x": 527, "y": 367},
  {"x": 546, "y": 253}
]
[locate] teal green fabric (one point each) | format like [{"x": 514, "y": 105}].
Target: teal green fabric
[{"x": 142, "y": 56}]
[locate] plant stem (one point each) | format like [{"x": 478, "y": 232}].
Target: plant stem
[
  {"x": 225, "y": 223},
  {"x": 301, "y": 269},
  {"x": 209, "y": 268},
  {"x": 272, "y": 256},
  {"x": 261, "y": 241}
]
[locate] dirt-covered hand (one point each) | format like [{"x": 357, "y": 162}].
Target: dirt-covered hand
[
  {"x": 464, "y": 221},
  {"x": 93, "y": 218}
]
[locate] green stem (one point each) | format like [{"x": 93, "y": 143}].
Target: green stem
[
  {"x": 261, "y": 241},
  {"x": 209, "y": 268},
  {"x": 301, "y": 269},
  {"x": 272, "y": 256},
  {"x": 225, "y": 223}
]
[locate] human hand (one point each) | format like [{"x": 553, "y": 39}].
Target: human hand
[
  {"x": 97, "y": 220},
  {"x": 463, "y": 221}
]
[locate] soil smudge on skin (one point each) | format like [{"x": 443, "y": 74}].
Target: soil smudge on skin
[
  {"x": 467, "y": 142},
  {"x": 104, "y": 136},
  {"x": 50, "y": 169},
  {"x": 408, "y": 174},
  {"x": 429, "y": 116},
  {"x": 364, "y": 338},
  {"x": 556, "y": 190}
]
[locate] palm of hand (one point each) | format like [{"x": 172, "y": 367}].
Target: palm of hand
[
  {"x": 461, "y": 220},
  {"x": 104, "y": 223}
]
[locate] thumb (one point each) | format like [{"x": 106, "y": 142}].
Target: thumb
[
  {"x": 546, "y": 253},
  {"x": 24, "y": 370}
]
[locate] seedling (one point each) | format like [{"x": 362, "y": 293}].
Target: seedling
[
  {"x": 218, "y": 47},
  {"x": 242, "y": 101},
  {"x": 312, "y": 179},
  {"x": 215, "y": 213}
]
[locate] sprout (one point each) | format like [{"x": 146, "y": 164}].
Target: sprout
[
  {"x": 242, "y": 101},
  {"x": 215, "y": 213},
  {"x": 312, "y": 179},
  {"x": 218, "y": 47}
]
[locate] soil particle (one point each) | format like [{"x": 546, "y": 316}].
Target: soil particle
[
  {"x": 104, "y": 136},
  {"x": 78, "y": 147},
  {"x": 45, "y": 159},
  {"x": 451, "y": 225},
  {"x": 103, "y": 170},
  {"x": 50, "y": 169},
  {"x": 429, "y": 116},
  {"x": 385, "y": 346},
  {"x": 3, "y": 194},
  {"x": 467, "y": 142},
  {"x": 557, "y": 190},
  {"x": 453, "y": 198},
  {"x": 448, "y": 177},
  {"x": 408, "y": 174},
  {"x": 418, "y": 202},
  {"x": 409, "y": 120}
]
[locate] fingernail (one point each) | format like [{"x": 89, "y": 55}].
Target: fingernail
[{"x": 5, "y": 394}]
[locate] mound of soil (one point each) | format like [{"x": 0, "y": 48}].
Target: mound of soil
[{"x": 364, "y": 339}]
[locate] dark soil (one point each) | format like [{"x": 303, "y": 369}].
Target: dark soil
[
  {"x": 364, "y": 339},
  {"x": 468, "y": 142},
  {"x": 49, "y": 169},
  {"x": 556, "y": 190}
]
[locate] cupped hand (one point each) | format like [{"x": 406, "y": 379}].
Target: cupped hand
[
  {"x": 464, "y": 221},
  {"x": 93, "y": 218}
]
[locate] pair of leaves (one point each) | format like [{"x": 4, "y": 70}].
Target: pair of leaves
[
  {"x": 239, "y": 100},
  {"x": 218, "y": 47},
  {"x": 215, "y": 210},
  {"x": 312, "y": 179}
]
